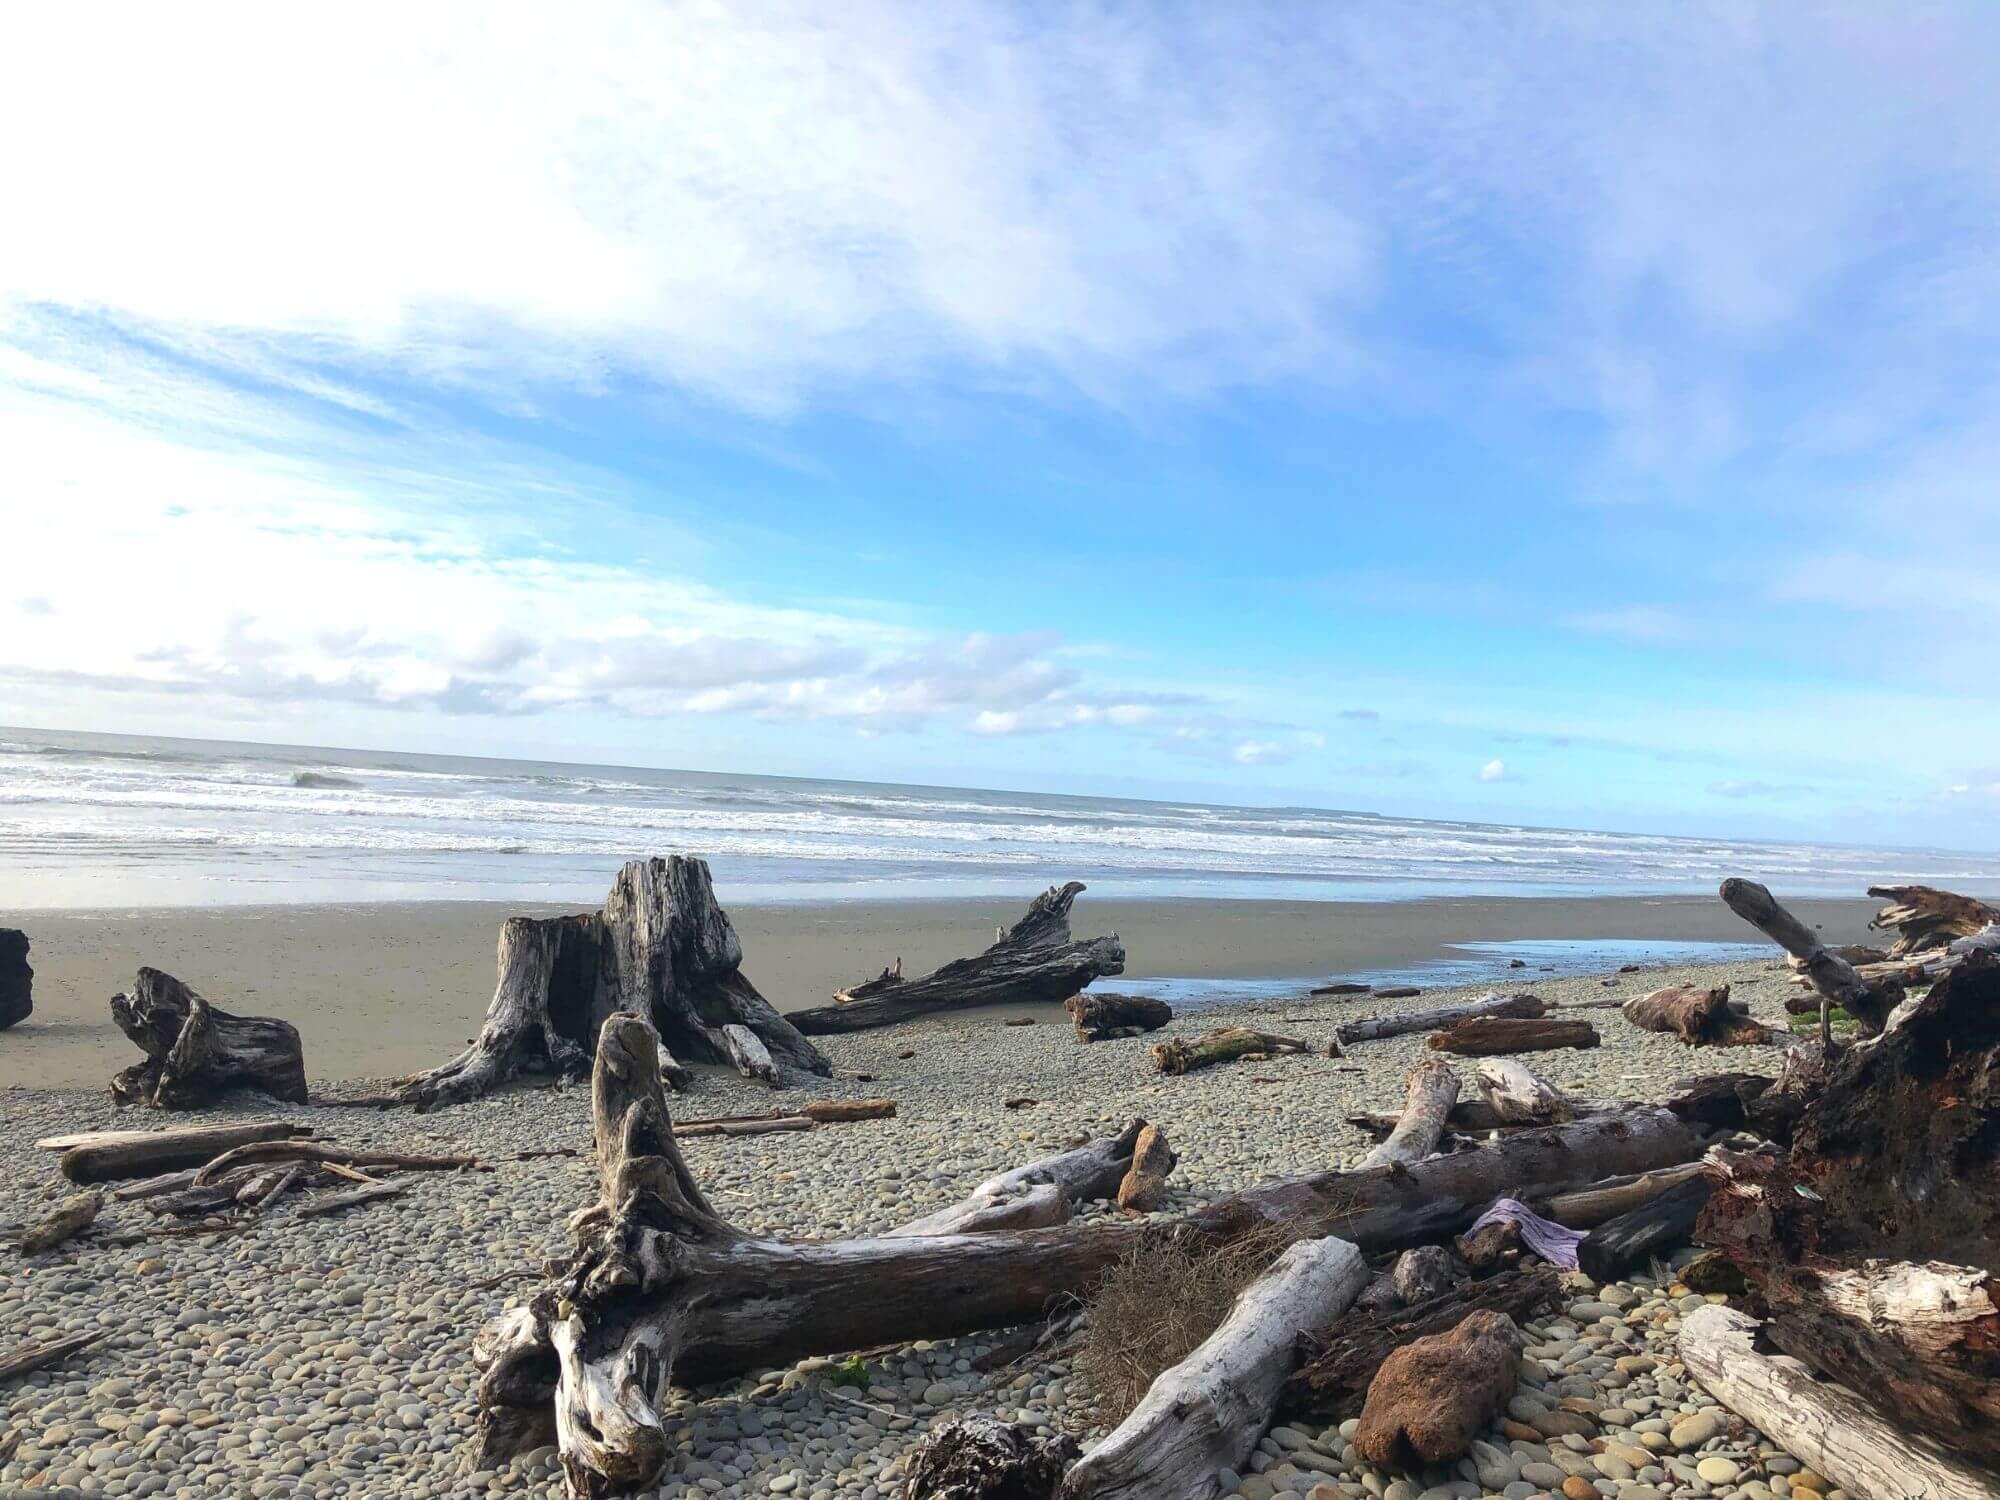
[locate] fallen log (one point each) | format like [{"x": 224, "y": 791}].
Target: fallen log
[
  {"x": 325, "y": 1152},
  {"x": 69, "y": 1218},
  {"x": 1039, "y": 1194},
  {"x": 1698, "y": 1015},
  {"x": 770, "y": 1125},
  {"x": 109, "y": 1155},
  {"x": 659, "y": 1288},
  {"x": 1343, "y": 988},
  {"x": 17, "y": 979},
  {"x": 751, "y": 1057},
  {"x": 1101, "y": 1017},
  {"x": 1586, "y": 1208},
  {"x": 195, "y": 1052},
  {"x": 23, "y": 1358},
  {"x": 1434, "y": 1395},
  {"x": 818, "y": 1112},
  {"x": 1378, "y": 1028},
  {"x": 1430, "y": 1090},
  {"x": 1178, "y": 1055},
  {"x": 1034, "y": 961},
  {"x": 1663, "y": 1223},
  {"x": 1340, "y": 1361},
  {"x": 1926, "y": 918},
  {"x": 1485, "y": 1036},
  {"x": 1145, "y": 1181},
  {"x": 1208, "y": 1412},
  {"x": 1825, "y": 1426},
  {"x": 333, "y": 1203},
  {"x": 1518, "y": 1095},
  {"x": 662, "y": 947},
  {"x": 1834, "y": 977}
]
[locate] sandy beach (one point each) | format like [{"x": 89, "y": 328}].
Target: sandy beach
[{"x": 382, "y": 990}]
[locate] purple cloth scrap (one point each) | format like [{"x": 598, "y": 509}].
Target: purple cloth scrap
[{"x": 1551, "y": 1242}]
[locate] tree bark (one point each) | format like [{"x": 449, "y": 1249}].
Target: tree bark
[
  {"x": 660, "y": 1288},
  {"x": 1034, "y": 961},
  {"x": 1430, "y": 1090},
  {"x": 1102, "y": 1017},
  {"x": 17, "y": 980},
  {"x": 105, "y": 1156},
  {"x": 1518, "y": 1095},
  {"x": 195, "y": 1052},
  {"x": 1699, "y": 1016},
  {"x": 1433, "y": 1396},
  {"x": 1178, "y": 1055},
  {"x": 1663, "y": 1223},
  {"x": 1145, "y": 1182},
  {"x": 1486, "y": 1036},
  {"x": 1826, "y": 1427},
  {"x": 1378, "y": 1028},
  {"x": 1833, "y": 976},
  {"x": 1341, "y": 1360},
  {"x": 1926, "y": 918},
  {"x": 1208, "y": 1411}
]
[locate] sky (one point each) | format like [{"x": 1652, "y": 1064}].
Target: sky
[{"x": 1545, "y": 413}]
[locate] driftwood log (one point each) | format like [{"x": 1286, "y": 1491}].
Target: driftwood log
[
  {"x": 1926, "y": 918},
  {"x": 1208, "y": 1412},
  {"x": 1430, "y": 1090},
  {"x": 1145, "y": 1181},
  {"x": 1043, "y": 1192},
  {"x": 660, "y": 1288},
  {"x": 1518, "y": 1095},
  {"x": 42, "y": 1352},
  {"x": 107, "y": 1156},
  {"x": 195, "y": 1051},
  {"x": 1833, "y": 976},
  {"x": 1486, "y": 1036},
  {"x": 69, "y": 1218},
  {"x": 1586, "y": 1208},
  {"x": 17, "y": 980},
  {"x": 662, "y": 947},
  {"x": 1698, "y": 1015},
  {"x": 1434, "y": 1395},
  {"x": 1229, "y": 1043},
  {"x": 1101, "y": 1017},
  {"x": 1655, "y": 1227},
  {"x": 1341, "y": 1360},
  {"x": 1740, "y": 1101},
  {"x": 1035, "y": 961},
  {"x": 1377, "y": 1028},
  {"x": 1827, "y": 1427}
]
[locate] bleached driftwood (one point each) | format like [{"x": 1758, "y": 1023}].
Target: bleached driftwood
[
  {"x": 1827, "y": 1427},
  {"x": 752, "y": 1058},
  {"x": 1035, "y": 960},
  {"x": 1430, "y": 1090},
  {"x": 1039, "y": 1194},
  {"x": 106, "y": 1156},
  {"x": 1833, "y": 976},
  {"x": 1207, "y": 1412},
  {"x": 1378, "y": 1028},
  {"x": 68, "y": 1219},
  {"x": 195, "y": 1051},
  {"x": 1518, "y": 1095},
  {"x": 1601, "y": 1202}
]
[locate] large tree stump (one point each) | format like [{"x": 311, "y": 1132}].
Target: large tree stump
[
  {"x": 1926, "y": 918},
  {"x": 1100, "y": 1017},
  {"x": 1486, "y": 1036},
  {"x": 1034, "y": 961},
  {"x": 660, "y": 1288},
  {"x": 194, "y": 1052},
  {"x": 17, "y": 980},
  {"x": 1699, "y": 1016},
  {"x": 1377, "y": 1028},
  {"x": 1433, "y": 1396}
]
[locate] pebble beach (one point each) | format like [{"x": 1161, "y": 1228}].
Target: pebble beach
[{"x": 332, "y": 1356}]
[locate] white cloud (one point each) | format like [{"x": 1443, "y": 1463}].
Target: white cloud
[{"x": 1493, "y": 770}]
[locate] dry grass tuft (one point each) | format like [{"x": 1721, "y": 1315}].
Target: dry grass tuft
[{"x": 1157, "y": 1304}]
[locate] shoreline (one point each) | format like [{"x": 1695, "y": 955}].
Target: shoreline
[{"x": 382, "y": 989}]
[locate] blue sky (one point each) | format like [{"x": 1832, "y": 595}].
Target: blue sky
[{"x": 1552, "y": 413}]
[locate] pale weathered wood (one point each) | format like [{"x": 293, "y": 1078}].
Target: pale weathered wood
[
  {"x": 195, "y": 1051},
  {"x": 110, "y": 1155},
  {"x": 69, "y": 1218},
  {"x": 1833, "y": 976},
  {"x": 1485, "y": 1036},
  {"x": 1041, "y": 1193},
  {"x": 1376, "y": 1028},
  {"x": 1101, "y": 1017},
  {"x": 324, "y": 1151},
  {"x": 23, "y": 1358},
  {"x": 1207, "y": 1412},
  {"x": 1430, "y": 1090},
  {"x": 1033, "y": 961},
  {"x": 751, "y": 1057},
  {"x": 1586, "y": 1208},
  {"x": 333, "y": 1203},
  {"x": 1869, "y": 1454},
  {"x": 1699, "y": 1015},
  {"x": 1423, "y": 1273},
  {"x": 1179, "y": 1055},
  {"x": 17, "y": 979},
  {"x": 1518, "y": 1095},
  {"x": 1145, "y": 1181}
]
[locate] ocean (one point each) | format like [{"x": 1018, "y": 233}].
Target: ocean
[{"x": 128, "y": 821}]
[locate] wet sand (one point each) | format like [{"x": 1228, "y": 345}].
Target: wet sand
[{"x": 382, "y": 990}]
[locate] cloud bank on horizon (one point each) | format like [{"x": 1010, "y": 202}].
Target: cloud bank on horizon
[{"x": 1516, "y": 411}]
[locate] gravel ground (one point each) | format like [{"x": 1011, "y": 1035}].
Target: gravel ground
[{"x": 331, "y": 1356}]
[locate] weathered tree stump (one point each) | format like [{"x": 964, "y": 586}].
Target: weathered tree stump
[
  {"x": 17, "y": 980},
  {"x": 1485, "y": 1036},
  {"x": 1101, "y": 1017},
  {"x": 1699, "y": 1016},
  {"x": 195, "y": 1052},
  {"x": 1378, "y": 1028},
  {"x": 1432, "y": 1397},
  {"x": 1927, "y": 919}
]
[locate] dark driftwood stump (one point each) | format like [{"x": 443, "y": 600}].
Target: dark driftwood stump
[
  {"x": 1034, "y": 960},
  {"x": 17, "y": 980},
  {"x": 1432, "y": 1397},
  {"x": 663, "y": 947},
  {"x": 1664, "y": 1224},
  {"x": 195, "y": 1051},
  {"x": 1100, "y": 1017},
  {"x": 1699, "y": 1016}
]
